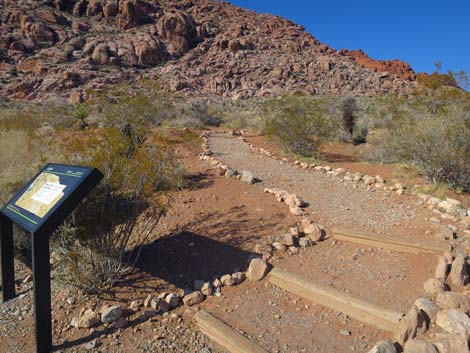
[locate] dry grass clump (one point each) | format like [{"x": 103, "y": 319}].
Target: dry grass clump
[{"x": 300, "y": 124}]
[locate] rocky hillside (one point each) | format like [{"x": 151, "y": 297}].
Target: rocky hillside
[{"x": 66, "y": 48}]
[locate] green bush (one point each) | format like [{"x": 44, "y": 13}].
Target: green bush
[
  {"x": 104, "y": 237},
  {"x": 300, "y": 124},
  {"x": 431, "y": 132}
]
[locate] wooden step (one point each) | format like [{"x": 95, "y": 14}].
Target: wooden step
[
  {"x": 366, "y": 312},
  {"x": 390, "y": 242},
  {"x": 224, "y": 335}
]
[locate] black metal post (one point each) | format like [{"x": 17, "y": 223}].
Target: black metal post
[
  {"x": 42, "y": 291},
  {"x": 7, "y": 258}
]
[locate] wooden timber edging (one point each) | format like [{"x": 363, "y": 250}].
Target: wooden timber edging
[
  {"x": 371, "y": 314},
  {"x": 224, "y": 335},
  {"x": 390, "y": 242}
]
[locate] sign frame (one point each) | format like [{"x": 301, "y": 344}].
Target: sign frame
[{"x": 40, "y": 233}]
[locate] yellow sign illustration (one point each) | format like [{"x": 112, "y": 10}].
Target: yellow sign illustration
[{"x": 42, "y": 195}]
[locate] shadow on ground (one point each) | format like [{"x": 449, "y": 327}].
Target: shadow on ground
[{"x": 183, "y": 257}]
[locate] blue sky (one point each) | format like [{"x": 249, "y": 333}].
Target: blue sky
[{"x": 416, "y": 31}]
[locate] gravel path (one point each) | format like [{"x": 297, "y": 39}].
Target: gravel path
[{"x": 332, "y": 200}]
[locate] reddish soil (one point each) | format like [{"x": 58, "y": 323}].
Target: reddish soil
[{"x": 211, "y": 230}]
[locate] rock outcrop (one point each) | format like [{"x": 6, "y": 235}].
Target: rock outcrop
[{"x": 202, "y": 47}]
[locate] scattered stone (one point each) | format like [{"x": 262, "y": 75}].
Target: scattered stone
[
  {"x": 304, "y": 242},
  {"x": 368, "y": 180},
  {"x": 384, "y": 347},
  {"x": 148, "y": 300},
  {"x": 455, "y": 322},
  {"x": 293, "y": 249},
  {"x": 442, "y": 269},
  {"x": 257, "y": 270},
  {"x": 247, "y": 177},
  {"x": 294, "y": 231},
  {"x": 111, "y": 314},
  {"x": 296, "y": 211},
  {"x": 313, "y": 231},
  {"x": 173, "y": 300},
  {"x": 420, "y": 346},
  {"x": 227, "y": 280},
  {"x": 230, "y": 173},
  {"x": 238, "y": 277},
  {"x": 287, "y": 240},
  {"x": 279, "y": 246},
  {"x": 433, "y": 286},
  {"x": 452, "y": 345},
  {"x": 88, "y": 319},
  {"x": 427, "y": 306},
  {"x": 453, "y": 300},
  {"x": 136, "y": 304},
  {"x": 379, "y": 179},
  {"x": 459, "y": 272},
  {"x": 207, "y": 289},
  {"x": 193, "y": 298},
  {"x": 293, "y": 201},
  {"x": 409, "y": 326}
]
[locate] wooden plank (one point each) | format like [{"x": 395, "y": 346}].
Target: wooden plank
[
  {"x": 390, "y": 242},
  {"x": 369, "y": 313},
  {"x": 224, "y": 335}
]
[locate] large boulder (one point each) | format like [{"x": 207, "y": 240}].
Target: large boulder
[
  {"x": 459, "y": 272},
  {"x": 383, "y": 347},
  {"x": 150, "y": 51},
  {"x": 101, "y": 54},
  {"x": 453, "y": 300},
  {"x": 413, "y": 322},
  {"x": 133, "y": 13},
  {"x": 427, "y": 306},
  {"x": 420, "y": 346},
  {"x": 178, "y": 30},
  {"x": 433, "y": 286},
  {"x": 455, "y": 322},
  {"x": 193, "y": 298},
  {"x": 111, "y": 314}
]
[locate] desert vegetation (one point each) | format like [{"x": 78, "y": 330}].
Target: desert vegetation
[{"x": 124, "y": 136}]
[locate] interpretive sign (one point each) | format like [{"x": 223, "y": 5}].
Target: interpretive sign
[
  {"x": 44, "y": 194},
  {"x": 39, "y": 208}
]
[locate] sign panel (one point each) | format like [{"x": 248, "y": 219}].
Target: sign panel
[{"x": 42, "y": 195}]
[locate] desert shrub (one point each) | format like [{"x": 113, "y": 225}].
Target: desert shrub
[
  {"x": 436, "y": 80},
  {"x": 300, "y": 124},
  {"x": 31, "y": 116},
  {"x": 80, "y": 113},
  {"x": 202, "y": 113},
  {"x": 430, "y": 132},
  {"x": 196, "y": 115},
  {"x": 104, "y": 237},
  {"x": 348, "y": 109}
]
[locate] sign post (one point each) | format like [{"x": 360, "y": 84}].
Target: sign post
[{"x": 39, "y": 208}]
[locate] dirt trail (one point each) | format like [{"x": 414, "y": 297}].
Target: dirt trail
[{"x": 332, "y": 201}]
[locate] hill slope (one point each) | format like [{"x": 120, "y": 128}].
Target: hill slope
[{"x": 203, "y": 47}]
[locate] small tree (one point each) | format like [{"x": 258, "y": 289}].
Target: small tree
[
  {"x": 301, "y": 124},
  {"x": 348, "y": 109},
  {"x": 80, "y": 113}
]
